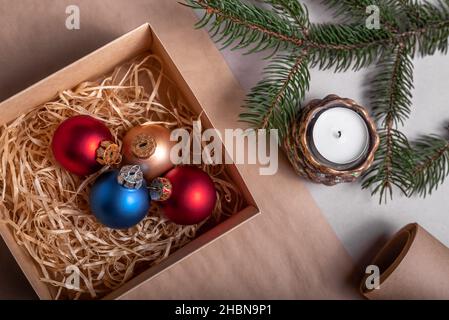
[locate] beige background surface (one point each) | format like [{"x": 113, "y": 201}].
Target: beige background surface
[{"x": 290, "y": 251}]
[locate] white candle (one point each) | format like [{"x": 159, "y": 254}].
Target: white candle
[{"x": 340, "y": 135}]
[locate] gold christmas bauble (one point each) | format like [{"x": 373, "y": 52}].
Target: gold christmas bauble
[{"x": 148, "y": 146}]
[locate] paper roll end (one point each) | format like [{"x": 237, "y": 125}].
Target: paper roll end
[{"x": 390, "y": 256}]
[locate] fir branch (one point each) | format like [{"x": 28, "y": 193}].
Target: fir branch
[
  {"x": 434, "y": 37},
  {"x": 423, "y": 13},
  {"x": 343, "y": 46},
  {"x": 273, "y": 103},
  {"x": 296, "y": 12},
  {"x": 241, "y": 25},
  {"x": 391, "y": 89},
  {"x": 350, "y": 10},
  {"x": 391, "y": 167},
  {"x": 429, "y": 22},
  {"x": 331, "y": 46},
  {"x": 355, "y": 11},
  {"x": 391, "y": 94},
  {"x": 431, "y": 168},
  {"x": 412, "y": 10},
  {"x": 407, "y": 27},
  {"x": 410, "y": 21}
]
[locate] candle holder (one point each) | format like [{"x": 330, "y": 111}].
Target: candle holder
[{"x": 307, "y": 160}]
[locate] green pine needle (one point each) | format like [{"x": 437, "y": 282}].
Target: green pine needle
[
  {"x": 343, "y": 46},
  {"x": 391, "y": 101},
  {"x": 392, "y": 165},
  {"x": 407, "y": 27},
  {"x": 273, "y": 102},
  {"x": 431, "y": 167},
  {"x": 292, "y": 10},
  {"x": 355, "y": 11},
  {"x": 239, "y": 25},
  {"x": 391, "y": 89}
]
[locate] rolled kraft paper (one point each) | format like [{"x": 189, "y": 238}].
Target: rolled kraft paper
[{"x": 413, "y": 265}]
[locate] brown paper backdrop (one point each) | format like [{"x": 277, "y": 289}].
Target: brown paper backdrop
[{"x": 289, "y": 251}]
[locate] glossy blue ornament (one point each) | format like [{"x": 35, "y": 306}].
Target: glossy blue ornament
[{"x": 119, "y": 199}]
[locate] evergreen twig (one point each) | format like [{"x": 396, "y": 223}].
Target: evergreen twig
[
  {"x": 391, "y": 89},
  {"x": 407, "y": 27},
  {"x": 343, "y": 46},
  {"x": 431, "y": 167},
  {"x": 240, "y": 25},
  {"x": 392, "y": 165},
  {"x": 391, "y": 94},
  {"x": 275, "y": 99}
]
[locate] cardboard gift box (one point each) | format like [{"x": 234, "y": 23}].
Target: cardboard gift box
[{"x": 92, "y": 66}]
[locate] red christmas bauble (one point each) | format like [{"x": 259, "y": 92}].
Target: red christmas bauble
[
  {"x": 76, "y": 141},
  {"x": 193, "y": 195}
]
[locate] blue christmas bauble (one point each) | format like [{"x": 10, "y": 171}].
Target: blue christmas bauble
[{"x": 119, "y": 199}]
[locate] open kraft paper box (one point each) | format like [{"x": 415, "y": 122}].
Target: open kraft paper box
[{"x": 92, "y": 66}]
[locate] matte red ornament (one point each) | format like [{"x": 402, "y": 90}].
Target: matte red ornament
[
  {"x": 76, "y": 141},
  {"x": 193, "y": 195}
]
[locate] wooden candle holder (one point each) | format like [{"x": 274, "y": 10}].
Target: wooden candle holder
[{"x": 307, "y": 164}]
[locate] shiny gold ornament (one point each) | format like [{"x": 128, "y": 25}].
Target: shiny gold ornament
[{"x": 148, "y": 146}]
